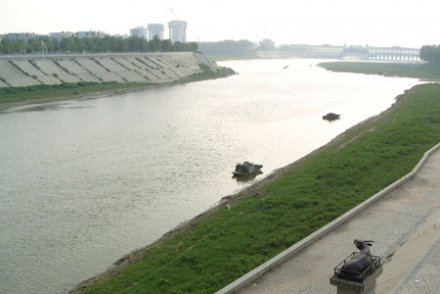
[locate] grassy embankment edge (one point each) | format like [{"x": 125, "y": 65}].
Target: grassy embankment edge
[
  {"x": 423, "y": 71},
  {"x": 10, "y": 96},
  {"x": 249, "y": 228}
]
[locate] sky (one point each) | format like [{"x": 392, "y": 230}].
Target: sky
[{"x": 406, "y": 23}]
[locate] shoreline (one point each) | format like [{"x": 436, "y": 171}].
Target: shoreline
[
  {"x": 254, "y": 190},
  {"x": 166, "y": 73},
  {"x": 7, "y": 106}
]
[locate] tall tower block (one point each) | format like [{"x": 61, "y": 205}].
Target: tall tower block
[
  {"x": 177, "y": 30},
  {"x": 155, "y": 29}
]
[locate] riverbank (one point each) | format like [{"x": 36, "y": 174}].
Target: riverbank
[
  {"x": 400, "y": 219},
  {"x": 21, "y": 96},
  {"x": 424, "y": 71},
  {"x": 224, "y": 243},
  {"x": 44, "y": 78}
]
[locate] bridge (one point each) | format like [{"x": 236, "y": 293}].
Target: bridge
[
  {"x": 390, "y": 54},
  {"x": 397, "y": 54}
]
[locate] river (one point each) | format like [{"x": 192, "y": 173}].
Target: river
[{"x": 84, "y": 182}]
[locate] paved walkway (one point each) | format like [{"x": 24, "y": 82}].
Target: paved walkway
[{"x": 406, "y": 227}]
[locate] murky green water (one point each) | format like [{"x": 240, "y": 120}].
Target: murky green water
[{"x": 85, "y": 182}]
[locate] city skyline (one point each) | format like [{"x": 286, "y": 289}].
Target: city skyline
[{"x": 377, "y": 23}]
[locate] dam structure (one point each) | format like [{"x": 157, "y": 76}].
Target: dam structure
[{"x": 154, "y": 68}]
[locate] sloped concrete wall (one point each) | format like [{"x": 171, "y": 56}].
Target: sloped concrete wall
[
  {"x": 19, "y": 71},
  {"x": 29, "y": 67},
  {"x": 14, "y": 77},
  {"x": 3, "y": 84},
  {"x": 134, "y": 65},
  {"x": 73, "y": 68},
  {"x": 50, "y": 68}
]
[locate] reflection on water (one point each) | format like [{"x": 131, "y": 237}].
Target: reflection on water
[
  {"x": 91, "y": 180},
  {"x": 247, "y": 178}
]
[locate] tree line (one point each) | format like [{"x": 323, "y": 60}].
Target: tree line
[
  {"x": 46, "y": 44},
  {"x": 430, "y": 53}
]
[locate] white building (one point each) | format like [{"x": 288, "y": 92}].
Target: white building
[
  {"x": 140, "y": 32},
  {"x": 60, "y": 35},
  {"x": 90, "y": 34},
  {"x": 177, "y": 30},
  {"x": 19, "y": 36},
  {"x": 155, "y": 29}
]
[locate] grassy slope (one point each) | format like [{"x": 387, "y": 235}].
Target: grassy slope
[
  {"x": 412, "y": 70},
  {"x": 22, "y": 94},
  {"x": 224, "y": 244}
]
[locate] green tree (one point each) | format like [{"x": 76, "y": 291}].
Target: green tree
[
  {"x": 166, "y": 46},
  {"x": 96, "y": 44},
  {"x": 179, "y": 46},
  {"x": 69, "y": 44},
  {"x": 156, "y": 44},
  {"x": 430, "y": 53}
]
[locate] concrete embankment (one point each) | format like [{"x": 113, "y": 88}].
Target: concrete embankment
[{"x": 31, "y": 70}]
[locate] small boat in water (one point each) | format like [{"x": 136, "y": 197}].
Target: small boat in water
[
  {"x": 331, "y": 116},
  {"x": 246, "y": 168}
]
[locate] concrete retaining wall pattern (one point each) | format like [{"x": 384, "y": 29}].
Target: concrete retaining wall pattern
[
  {"x": 50, "y": 68},
  {"x": 93, "y": 67},
  {"x": 75, "y": 69},
  {"x": 133, "y": 66},
  {"x": 30, "y": 70},
  {"x": 15, "y": 77}
]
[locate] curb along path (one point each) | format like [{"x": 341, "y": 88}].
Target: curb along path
[{"x": 397, "y": 222}]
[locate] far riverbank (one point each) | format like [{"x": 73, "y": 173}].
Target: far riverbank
[
  {"x": 36, "y": 79},
  {"x": 423, "y": 71},
  {"x": 38, "y": 95}
]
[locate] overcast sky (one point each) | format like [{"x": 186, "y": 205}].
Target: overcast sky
[{"x": 408, "y": 23}]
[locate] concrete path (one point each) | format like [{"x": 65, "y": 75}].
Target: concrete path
[{"x": 406, "y": 228}]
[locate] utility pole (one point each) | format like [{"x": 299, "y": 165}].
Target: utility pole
[{"x": 44, "y": 47}]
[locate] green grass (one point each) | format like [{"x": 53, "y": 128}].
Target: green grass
[
  {"x": 20, "y": 94},
  {"x": 207, "y": 73},
  {"x": 413, "y": 70},
  {"x": 225, "y": 243}
]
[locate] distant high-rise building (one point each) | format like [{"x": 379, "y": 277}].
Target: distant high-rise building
[
  {"x": 89, "y": 34},
  {"x": 19, "y": 36},
  {"x": 140, "y": 32},
  {"x": 155, "y": 29},
  {"x": 177, "y": 30},
  {"x": 61, "y": 35}
]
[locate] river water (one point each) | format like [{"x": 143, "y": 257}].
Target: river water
[{"x": 84, "y": 182}]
